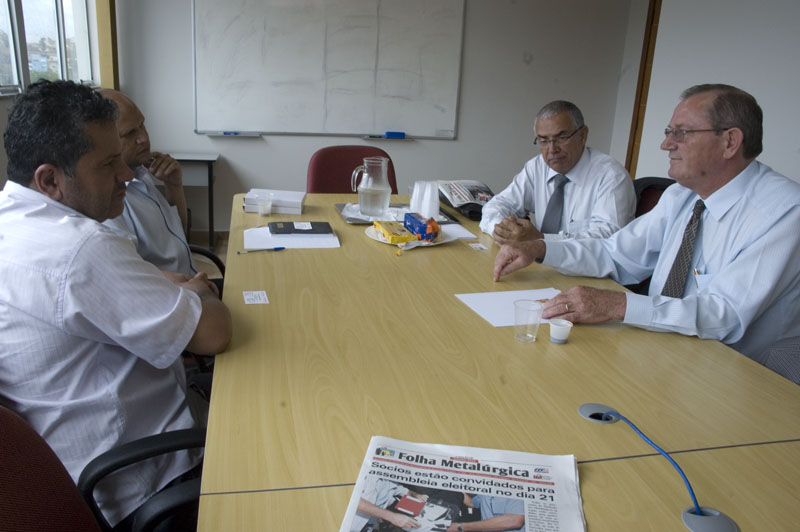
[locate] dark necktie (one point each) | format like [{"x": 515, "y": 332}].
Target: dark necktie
[
  {"x": 676, "y": 280},
  {"x": 552, "y": 215}
]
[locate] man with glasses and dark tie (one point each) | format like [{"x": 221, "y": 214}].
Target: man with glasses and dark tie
[
  {"x": 568, "y": 191},
  {"x": 721, "y": 245}
]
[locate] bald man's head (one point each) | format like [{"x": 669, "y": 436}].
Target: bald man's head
[{"x": 132, "y": 133}]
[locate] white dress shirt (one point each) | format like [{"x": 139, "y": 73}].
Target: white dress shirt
[
  {"x": 598, "y": 198},
  {"x": 153, "y": 225},
  {"x": 744, "y": 284},
  {"x": 90, "y": 343}
]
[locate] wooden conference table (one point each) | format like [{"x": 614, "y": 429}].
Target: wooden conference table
[
  {"x": 756, "y": 486},
  {"x": 358, "y": 341}
]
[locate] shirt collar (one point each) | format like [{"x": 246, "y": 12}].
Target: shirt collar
[
  {"x": 141, "y": 177},
  {"x": 576, "y": 172},
  {"x": 13, "y": 189},
  {"x": 722, "y": 200}
]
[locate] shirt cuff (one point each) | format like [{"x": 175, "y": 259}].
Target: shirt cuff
[
  {"x": 553, "y": 253},
  {"x": 488, "y": 222},
  {"x": 554, "y": 237},
  {"x": 638, "y": 310}
]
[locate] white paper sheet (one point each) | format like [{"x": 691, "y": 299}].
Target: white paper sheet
[
  {"x": 255, "y": 297},
  {"x": 457, "y": 230},
  {"x": 498, "y": 307},
  {"x": 260, "y": 238}
]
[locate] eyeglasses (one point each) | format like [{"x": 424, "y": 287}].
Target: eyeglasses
[
  {"x": 679, "y": 135},
  {"x": 560, "y": 140}
]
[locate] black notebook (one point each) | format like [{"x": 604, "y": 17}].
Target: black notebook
[{"x": 299, "y": 228}]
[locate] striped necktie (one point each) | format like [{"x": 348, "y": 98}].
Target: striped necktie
[{"x": 676, "y": 280}]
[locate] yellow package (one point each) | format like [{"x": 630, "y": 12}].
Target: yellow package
[{"x": 394, "y": 232}]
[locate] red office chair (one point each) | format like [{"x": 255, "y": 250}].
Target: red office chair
[
  {"x": 330, "y": 169},
  {"x": 37, "y": 492},
  {"x": 648, "y": 191}
]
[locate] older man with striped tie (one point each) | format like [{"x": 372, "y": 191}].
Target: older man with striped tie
[{"x": 721, "y": 245}]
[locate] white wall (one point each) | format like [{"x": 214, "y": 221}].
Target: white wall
[
  {"x": 517, "y": 56},
  {"x": 628, "y": 78},
  {"x": 752, "y": 45}
]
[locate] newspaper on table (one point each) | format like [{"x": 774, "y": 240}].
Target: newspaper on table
[
  {"x": 430, "y": 487},
  {"x": 459, "y": 193}
]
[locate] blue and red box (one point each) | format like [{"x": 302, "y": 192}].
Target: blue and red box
[{"x": 424, "y": 229}]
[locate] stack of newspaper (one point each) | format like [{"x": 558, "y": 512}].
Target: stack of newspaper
[
  {"x": 459, "y": 193},
  {"x": 283, "y": 201},
  {"x": 467, "y": 196},
  {"x": 428, "y": 487}
]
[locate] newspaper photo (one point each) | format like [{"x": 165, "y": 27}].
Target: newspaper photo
[
  {"x": 459, "y": 193},
  {"x": 404, "y": 486}
]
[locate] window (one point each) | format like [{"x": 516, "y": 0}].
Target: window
[
  {"x": 78, "y": 62},
  {"x": 49, "y": 37},
  {"x": 9, "y": 77}
]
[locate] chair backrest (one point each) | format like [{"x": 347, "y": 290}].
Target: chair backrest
[
  {"x": 783, "y": 357},
  {"x": 330, "y": 168},
  {"x": 648, "y": 192},
  {"x": 211, "y": 256},
  {"x": 36, "y": 491}
]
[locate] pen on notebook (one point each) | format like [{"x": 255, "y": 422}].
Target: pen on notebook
[{"x": 243, "y": 251}]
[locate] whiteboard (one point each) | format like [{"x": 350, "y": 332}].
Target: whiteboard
[{"x": 349, "y": 67}]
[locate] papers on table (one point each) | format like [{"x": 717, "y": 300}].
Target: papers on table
[
  {"x": 498, "y": 307},
  {"x": 456, "y": 231},
  {"x": 255, "y": 297},
  {"x": 261, "y": 238},
  {"x": 542, "y": 488}
]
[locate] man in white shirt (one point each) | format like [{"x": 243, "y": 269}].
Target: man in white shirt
[
  {"x": 570, "y": 191},
  {"x": 91, "y": 334},
  {"x": 740, "y": 280},
  {"x": 155, "y": 222},
  {"x": 498, "y": 514}
]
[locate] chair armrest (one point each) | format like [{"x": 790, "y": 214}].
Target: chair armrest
[
  {"x": 129, "y": 453},
  {"x": 165, "y": 502},
  {"x": 210, "y": 255}
]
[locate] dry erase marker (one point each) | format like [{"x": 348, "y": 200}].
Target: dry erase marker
[{"x": 243, "y": 251}]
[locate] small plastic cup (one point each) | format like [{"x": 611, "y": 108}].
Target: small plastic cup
[
  {"x": 265, "y": 205},
  {"x": 527, "y": 315},
  {"x": 559, "y": 330}
]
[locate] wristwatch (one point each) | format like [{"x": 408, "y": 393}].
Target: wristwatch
[{"x": 460, "y": 528}]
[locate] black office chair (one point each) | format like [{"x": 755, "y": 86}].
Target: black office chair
[
  {"x": 196, "y": 364},
  {"x": 37, "y": 492},
  {"x": 648, "y": 191},
  {"x": 210, "y": 255},
  {"x": 783, "y": 357}
]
